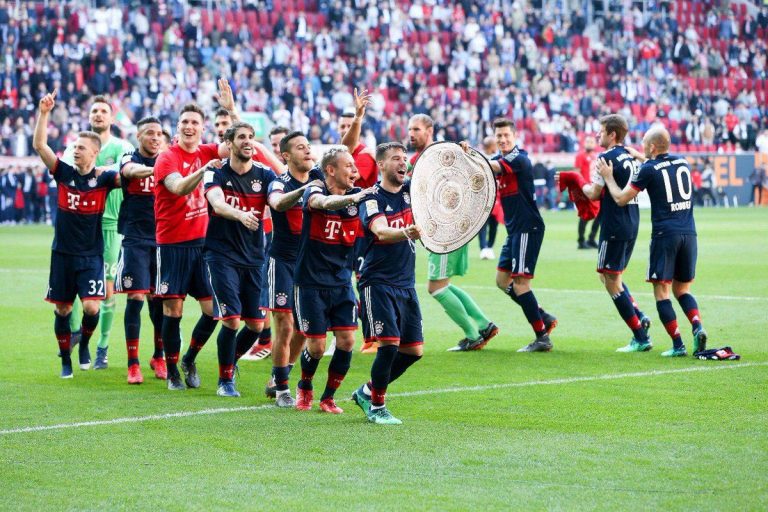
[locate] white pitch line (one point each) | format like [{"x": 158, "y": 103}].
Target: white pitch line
[
  {"x": 602, "y": 292},
  {"x": 488, "y": 387}
]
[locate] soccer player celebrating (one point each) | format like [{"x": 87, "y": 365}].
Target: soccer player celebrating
[
  {"x": 618, "y": 230},
  {"x": 667, "y": 178},
  {"x": 234, "y": 247},
  {"x": 387, "y": 281},
  {"x": 77, "y": 260},
  {"x": 324, "y": 299},
  {"x": 525, "y": 233},
  {"x": 285, "y": 197},
  {"x": 181, "y": 217},
  {"x": 137, "y": 265},
  {"x": 101, "y": 118}
]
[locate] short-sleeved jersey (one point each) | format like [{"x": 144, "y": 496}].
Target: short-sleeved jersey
[
  {"x": 81, "y": 202},
  {"x": 366, "y": 166},
  {"x": 286, "y": 226},
  {"x": 667, "y": 179},
  {"x": 137, "y": 213},
  {"x": 111, "y": 154},
  {"x": 518, "y": 197},
  {"x": 584, "y": 163},
  {"x": 391, "y": 264},
  {"x": 618, "y": 222},
  {"x": 181, "y": 219},
  {"x": 229, "y": 239},
  {"x": 325, "y": 257}
]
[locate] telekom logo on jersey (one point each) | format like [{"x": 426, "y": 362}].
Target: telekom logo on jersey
[
  {"x": 332, "y": 228},
  {"x": 73, "y": 200}
]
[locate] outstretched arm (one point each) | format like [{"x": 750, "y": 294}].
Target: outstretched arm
[
  {"x": 388, "y": 234},
  {"x": 40, "y": 138},
  {"x": 352, "y": 138},
  {"x": 335, "y": 202},
  {"x": 286, "y": 200},
  {"x": 181, "y": 186}
]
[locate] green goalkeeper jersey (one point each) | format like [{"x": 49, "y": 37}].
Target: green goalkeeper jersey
[{"x": 110, "y": 156}]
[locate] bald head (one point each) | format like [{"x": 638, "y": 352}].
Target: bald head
[{"x": 656, "y": 141}]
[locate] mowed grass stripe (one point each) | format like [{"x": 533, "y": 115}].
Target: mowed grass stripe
[{"x": 423, "y": 392}]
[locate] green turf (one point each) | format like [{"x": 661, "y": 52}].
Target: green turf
[{"x": 688, "y": 440}]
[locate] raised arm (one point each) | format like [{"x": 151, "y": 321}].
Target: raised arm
[
  {"x": 219, "y": 204},
  {"x": 131, "y": 170},
  {"x": 40, "y": 138},
  {"x": 388, "y": 234},
  {"x": 227, "y": 99},
  {"x": 621, "y": 196},
  {"x": 336, "y": 202},
  {"x": 286, "y": 200},
  {"x": 183, "y": 185},
  {"x": 352, "y": 138}
]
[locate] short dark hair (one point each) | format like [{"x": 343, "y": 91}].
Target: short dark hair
[
  {"x": 192, "y": 107},
  {"x": 504, "y": 122},
  {"x": 383, "y": 148},
  {"x": 93, "y": 136},
  {"x": 285, "y": 141},
  {"x": 222, "y": 112},
  {"x": 147, "y": 120},
  {"x": 614, "y": 123},
  {"x": 167, "y": 135},
  {"x": 347, "y": 113},
  {"x": 101, "y": 99},
  {"x": 331, "y": 156},
  {"x": 278, "y": 129},
  {"x": 232, "y": 130}
]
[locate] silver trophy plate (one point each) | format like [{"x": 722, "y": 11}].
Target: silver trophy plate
[{"x": 452, "y": 194}]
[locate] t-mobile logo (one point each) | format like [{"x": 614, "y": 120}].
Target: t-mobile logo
[
  {"x": 73, "y": 200},
  {"x": 332, "y": 228}
]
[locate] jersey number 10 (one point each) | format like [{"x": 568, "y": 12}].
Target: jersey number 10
[{"x": 683, "y": 176}]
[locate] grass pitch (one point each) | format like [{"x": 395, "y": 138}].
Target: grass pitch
[{"x": 579, "y": 428}]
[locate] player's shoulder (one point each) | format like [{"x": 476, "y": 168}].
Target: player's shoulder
[{"x": 315, "y": 173}]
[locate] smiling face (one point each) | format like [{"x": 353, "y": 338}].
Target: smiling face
[
  {"x": 100, "y": 117},
  {"x": 241, "y": 147},
  {"x": 85, "y": 152},
  {"x": 190, "y": 129},
  {"x": 151, "y": 138},
  {"x": 393, "y": 166},
  {"x": 343, "y": 173},
  {"x": 505, "y": 138}
]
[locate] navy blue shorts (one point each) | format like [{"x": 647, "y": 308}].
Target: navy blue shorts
[
  {"x": 319, "y": 310},
  {"x": 264, "y": 295},
  {"x": 672, "y": 257},
  {"x": 181, "y": 270},
  {"x": 520, "y": 253},
  {"x": 613, "y": 256},
  {"x": 136, "y": 268},
  {"x": 236, "y": 290},
  {"x": 74, "y": 275},
  {"x": 278, "y": 295},
  {"x": 392, "y": 314}
]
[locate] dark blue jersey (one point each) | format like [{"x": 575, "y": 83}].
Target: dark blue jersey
[
  {"x": 667, "y": 179},
  {"x": 325, "y": 257},
  {"x": 137, "y": 212},
  {"x": 391, "y": 264},
  {"x": 518, "y": 198},
  {"x": 618, "y": 222},
  {"x": 286, "y": 226},
  {"x": 229, "y": 239},
  {"x": 81, "y": 202}
]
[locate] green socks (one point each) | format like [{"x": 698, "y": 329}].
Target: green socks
[
  {"x": 471, "y": 307},
  {"x": 455, "y": 309},
  {"x": 106, "y": 316}
]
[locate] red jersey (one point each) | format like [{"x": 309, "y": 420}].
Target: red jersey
[
  {"x": 181, "y": 218},
  {"x": 584, "y": 163},
  {"x": 366, "y": 165}
]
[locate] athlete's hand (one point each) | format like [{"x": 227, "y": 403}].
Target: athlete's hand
[
  {"x": 365, "y": 193},
  {"x": 464, "y": 146},
  {"x": 250, "y": 220},
  {"x": 636, "y": 154},
  {"x": 48, "y": 101},
  {"x": 362, "y": 100},
  {"x": 215, "y": 163},
  {"x": 412, "y": 232},
  {"x": 226, "y": 98},
  {"x": 604, "y": 169},
  {"x": 314, "y": 183}
]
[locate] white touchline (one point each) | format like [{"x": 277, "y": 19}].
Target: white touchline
[
  {"x": 487, "y": 387},
  {"x": 602, "y": 292}
]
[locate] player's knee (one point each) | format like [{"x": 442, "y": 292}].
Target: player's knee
[
  {"x": 173, "y": 308},
  {"x": 136, "y": 296},
  {"x": 345, "y": 340},
  {"x": 63, "y": 309},
  {"x": 206, "y": 306},
  {"x": 255, "y": 325},
  {"x": 232, "y": 323},
  {"x": 413, "y": 350},
  {"x": 91, "y": 307},
  {"x": 109, "y": 302},
  {"x": 502, "y": 280},
  {"x": 679, "y": 289},
  {"x": 316, "y": 347}
]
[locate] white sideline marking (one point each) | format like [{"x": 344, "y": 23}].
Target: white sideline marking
[
  {"x": 222, "y": 410},
  {"x": 603, "y": 292}
]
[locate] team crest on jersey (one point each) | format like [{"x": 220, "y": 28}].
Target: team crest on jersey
[
  {"x": 352, "y": 210},
  {"x": 378, "y": 327},
  {"x": 305, "y": 325},
  {"x": 256, "y": 185},
  {"x": 163, "y": 288},
  {"x": 281, "y": 299},
  {"x": 92, "y": 182},
  {"x": 127, "y": 282},
  {"x": 407, "y": 197}
]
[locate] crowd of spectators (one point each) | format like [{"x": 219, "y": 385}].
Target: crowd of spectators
[{"x": 699, "y": 67}]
